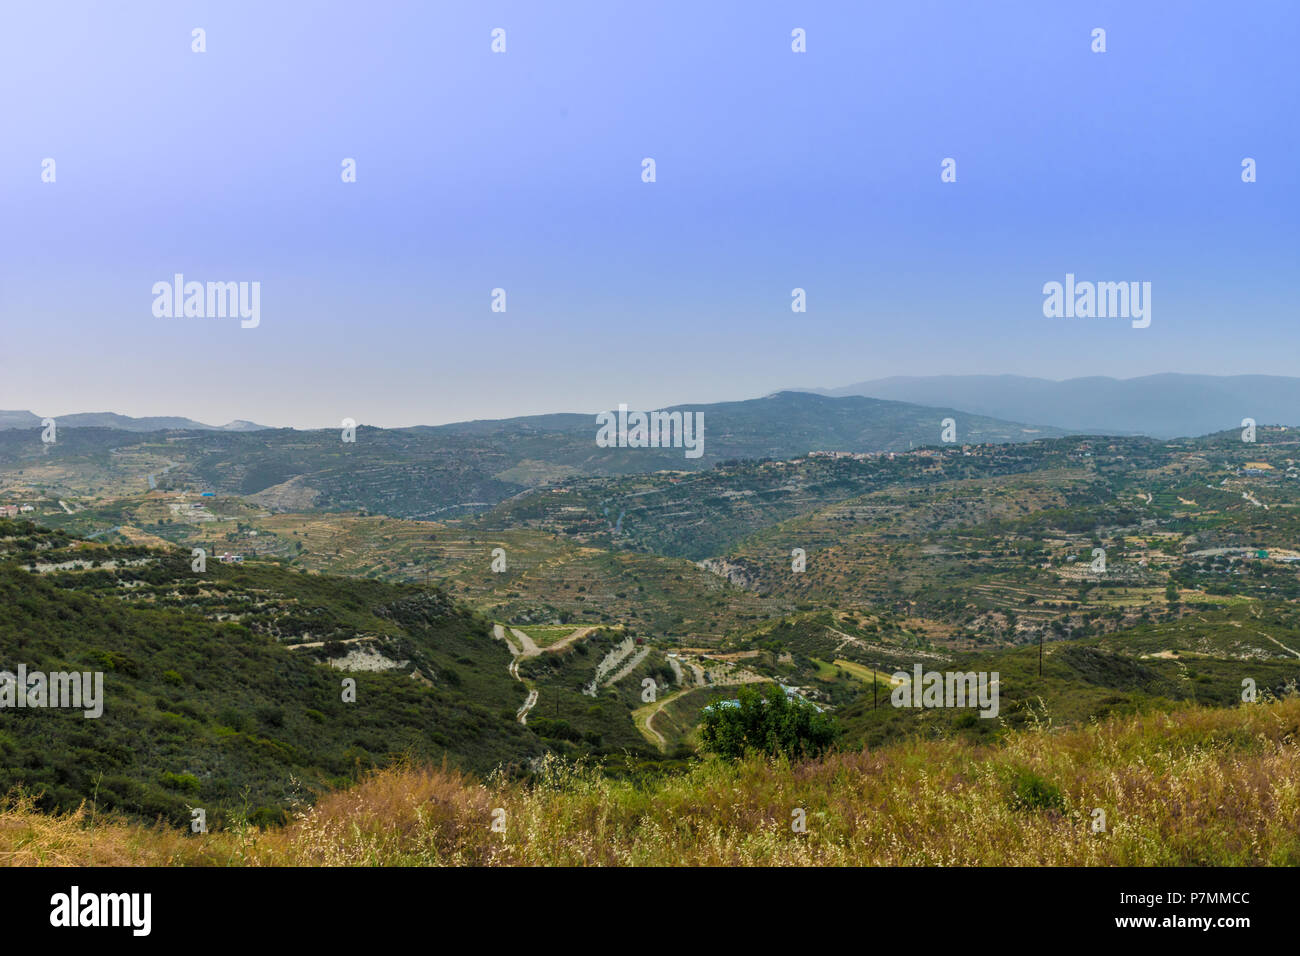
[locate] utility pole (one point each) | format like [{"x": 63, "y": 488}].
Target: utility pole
[{"x": 1040, "y": 653}]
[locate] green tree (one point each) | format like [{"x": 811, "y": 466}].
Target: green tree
[{"x": 767, "y": 721}]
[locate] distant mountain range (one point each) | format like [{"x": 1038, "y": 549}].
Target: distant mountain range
[
  {"x": 1161, "y": 406},
  {"x": 780, "y": 425},
  {"x": 989, "y": 408},
  {"x": 26, "y": 419},
  {"x": 440, "y": 471}
]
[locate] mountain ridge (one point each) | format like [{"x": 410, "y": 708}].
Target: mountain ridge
[
  {"x": 23, "y": 418},
  {"x": 1164, "y": 405}
]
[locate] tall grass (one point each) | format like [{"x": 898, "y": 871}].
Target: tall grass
[{"x": 1195, "y": 786}]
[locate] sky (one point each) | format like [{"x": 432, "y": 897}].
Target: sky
[{"x": 523, "y": 171}]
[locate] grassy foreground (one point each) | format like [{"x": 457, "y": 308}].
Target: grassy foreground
[{"x": 1191, "y": 787}]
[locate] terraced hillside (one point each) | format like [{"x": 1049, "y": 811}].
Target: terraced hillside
[{"x": 1124, "y": 533}]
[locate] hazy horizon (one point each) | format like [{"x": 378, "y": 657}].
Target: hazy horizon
[{"x": 810, "y": 389}]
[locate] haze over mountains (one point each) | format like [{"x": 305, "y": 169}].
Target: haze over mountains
[
  {"x": 790, "y": 423},
  {"x": 153, "y": 423},
  {"x": 779, "y": 425},
  {"x": 1161, "y": 406},
  {"x": 426, "y": 472},
  {"x": 999, "y": 408}
]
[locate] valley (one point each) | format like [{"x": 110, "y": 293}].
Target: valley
[{"x": 596, "y": 616}]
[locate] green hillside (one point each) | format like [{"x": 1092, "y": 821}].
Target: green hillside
[{"x": 216, "y": 691}]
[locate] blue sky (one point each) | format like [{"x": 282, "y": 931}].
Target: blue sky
[{"x": 522, "y": 170}]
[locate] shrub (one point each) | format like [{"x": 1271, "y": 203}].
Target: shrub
[
  {"x": 186, "y": 782},
  {"x": 766, "y": 722},
  {"x": 1029, "y": 791},
  {"x": 234, "y": 719}
]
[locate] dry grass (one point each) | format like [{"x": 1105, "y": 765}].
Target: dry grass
[{"x": 1197, "y": 786}]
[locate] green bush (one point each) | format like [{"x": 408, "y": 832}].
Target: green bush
[
  {"x": 185, "y": 782},
  {"x": 766, "y": 722},
  {"x": 1029, "y": 791}
]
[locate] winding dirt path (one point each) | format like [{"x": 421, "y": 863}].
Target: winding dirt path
[
  {"x": 643, "y": 717},
  {"x": 577, "y": 635},
  {"x": 528, "y": 648},
  {"x": 529, "y": 704},
  {"x": 1278, "y": 643},
  {"x": 513, "y": 668}
]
